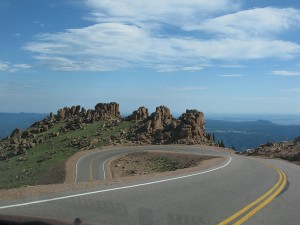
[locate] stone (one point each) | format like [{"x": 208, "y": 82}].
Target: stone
[
  {"x": 14, "y": 141},
  {"x": 16, "y": 133},
  {"x": 107, "y": 109},
  {"x": 61, "y": 114},
  {"x": 32, "y": 145},
  {"x": 140, "y": 114},
  {"x": 94, "y": 142},
  {"x": 161, "y": 128},
  {"x": 159, "y": 120},
  {"x": 51, "y": 116}
]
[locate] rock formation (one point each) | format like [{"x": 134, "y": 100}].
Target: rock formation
[
  {"x": 191, "y": 127},
  {"x": 139, "y": 114},
  {"x": 107, "y": 109},
  {"x": 16, "y": 133},
  {"x": 158, "y": 128},
  {"x": 287, "y": 150},
  {"x": 161, "y": 128},
  {"x": 73, "y": 118},
  {"x": 159, "y": 120}
]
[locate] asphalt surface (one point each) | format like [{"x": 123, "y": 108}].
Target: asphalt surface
[{"x": 205, "y": 198}]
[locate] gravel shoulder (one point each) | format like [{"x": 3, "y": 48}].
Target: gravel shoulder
[{"x": 69, "y": 184}]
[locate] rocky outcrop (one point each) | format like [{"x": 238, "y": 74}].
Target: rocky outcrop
[
  {"x": 288, "y": 150},
  {"x": 106, "y": 110},
  {"x": 158, "y": 128},
  {"x": 16, "y": 133},
  {"x": 71, "y": 118},
  {"x": 162, "y": 128},
  {"x": 66, "y": 112},
  {"x": 191, "y": 127},
  {"x": 160, "y": 120},
  {"x": 139, "y": 114},
  {"x": 102, "y": 111}
]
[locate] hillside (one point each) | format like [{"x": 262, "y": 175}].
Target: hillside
[
  {"x": 37, "y": 154},
  {"x": 287, "y": 150},
  {"x": 9, "y": 121},
  {"x": 250, "y": 134}
]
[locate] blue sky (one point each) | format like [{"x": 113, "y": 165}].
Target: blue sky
[{"x": 222, "y": 56}]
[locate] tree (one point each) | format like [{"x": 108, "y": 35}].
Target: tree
[{"x": 221, "y": 144}]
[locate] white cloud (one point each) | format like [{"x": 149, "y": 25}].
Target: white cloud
[
  {"x": 232, "y": 66},
  {"x": 291, "y": 90},
  {"x": 4, "y": 66},
  {"x": 231, "y": 75},
  {"x": 21, "y": 66},
  {"x": 253, "y": 22},
  {"x": 65, "y": 64},
  {"x": 9, "y": 67},
  {"x": 128, "y": 45},
  {"x": 129, "y": 33},
  {"x": 39, "y": 23},
  {"x": 285, "y": 73},
  {"x": 171, "y": 68},
  {"x": 175, "y": 12}
]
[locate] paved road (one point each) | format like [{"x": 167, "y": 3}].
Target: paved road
[
  {"x": 206, "y": 198},
  {"x": 91, "y": 166}
]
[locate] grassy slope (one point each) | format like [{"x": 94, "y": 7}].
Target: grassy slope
[{"x": 16, "y": 173}]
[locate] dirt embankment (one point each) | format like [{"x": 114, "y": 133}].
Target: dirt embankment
[{"x": 145, "y": 162}]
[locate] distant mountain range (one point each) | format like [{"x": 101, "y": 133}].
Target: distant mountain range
[
  {"x": 240, "y": 135},
  {"x": 250, "y": 134}
]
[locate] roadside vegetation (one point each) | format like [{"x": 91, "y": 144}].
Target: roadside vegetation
[{"x": 44, "y": 163}]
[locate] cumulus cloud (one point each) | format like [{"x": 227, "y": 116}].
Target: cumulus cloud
[{"x": 158, "y": 35}]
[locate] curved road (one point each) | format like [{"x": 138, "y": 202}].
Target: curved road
[{"x": 239, "y": 191}]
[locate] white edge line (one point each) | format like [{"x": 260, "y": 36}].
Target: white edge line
[
  {"x": 77, "y": 166},
  {"x": 104, "y": 174},
  {"x": 113, "y": 189}
]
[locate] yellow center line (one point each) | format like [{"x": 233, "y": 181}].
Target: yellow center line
[
  {"x": 91, "y": 169},
  {"x": 252, "y": 204},
  {"x": 264, "y": 203}
]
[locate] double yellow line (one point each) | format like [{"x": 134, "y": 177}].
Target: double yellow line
[
  {"x": 91, "y": 169},
  {"x": 244, "y": 214}
]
